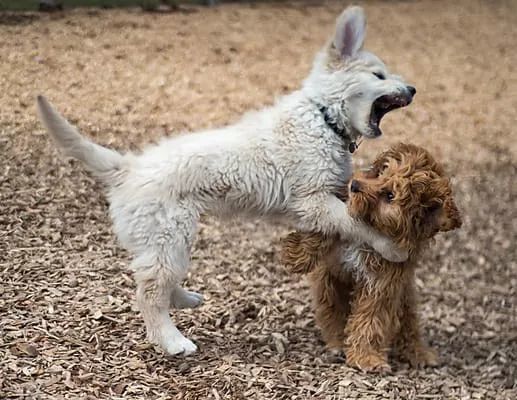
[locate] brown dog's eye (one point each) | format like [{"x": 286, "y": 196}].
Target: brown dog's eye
[{"x": 389, "y": 196}]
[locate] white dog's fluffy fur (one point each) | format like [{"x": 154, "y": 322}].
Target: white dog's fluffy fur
[{"x": 283, "y": 161}]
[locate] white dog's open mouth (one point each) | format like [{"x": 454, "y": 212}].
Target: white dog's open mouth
[{"x": 383, "y": 105}]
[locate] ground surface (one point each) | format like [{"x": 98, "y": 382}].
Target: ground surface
[{"x": 68, "y": 328}]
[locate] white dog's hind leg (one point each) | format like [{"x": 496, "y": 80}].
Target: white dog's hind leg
[
  {"x": 167, "y": 234},
  {"x": 155, "y": 287}
]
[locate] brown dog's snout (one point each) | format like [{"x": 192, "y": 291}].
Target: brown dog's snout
[{"x": 355, "y": 186}]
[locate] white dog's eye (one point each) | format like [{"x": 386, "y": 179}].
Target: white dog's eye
[{"x": 380, "y": 75}]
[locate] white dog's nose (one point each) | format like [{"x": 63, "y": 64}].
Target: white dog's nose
[{"x": 412, "y": 90}]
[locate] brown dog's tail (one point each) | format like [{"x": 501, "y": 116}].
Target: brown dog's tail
[
  {"x": 100, "y": 160},
  {"x": 301, "y": 251}
]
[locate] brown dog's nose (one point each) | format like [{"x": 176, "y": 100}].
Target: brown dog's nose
[{"x": 355, "y": 186}]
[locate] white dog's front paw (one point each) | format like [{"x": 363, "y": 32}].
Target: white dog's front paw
[
  {"x": 186, "y": 299},
  {"x": 179, "y": 346}
]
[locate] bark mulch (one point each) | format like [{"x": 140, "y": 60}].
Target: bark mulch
[{"x": 68, "y": 328}]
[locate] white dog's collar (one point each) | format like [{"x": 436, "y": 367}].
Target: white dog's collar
[{"x": 349, "y": 144}]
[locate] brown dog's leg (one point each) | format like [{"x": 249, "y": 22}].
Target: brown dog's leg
[
  {"x": 303, "y": 251},
  {"x": 374, "y": 320},
  {"x": 331, "y": 296},
  {"x": 409, "y": 344}
]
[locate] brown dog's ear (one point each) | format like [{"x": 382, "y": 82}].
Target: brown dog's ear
[
  {"x": 451, "y": 217},
  {"x": 301, "y": 251},
  {"x": 446, "y": 217}
]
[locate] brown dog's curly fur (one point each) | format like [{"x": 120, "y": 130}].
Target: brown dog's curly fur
[{"x": 365, "y": 304}]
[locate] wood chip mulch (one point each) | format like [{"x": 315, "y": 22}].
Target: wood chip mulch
[{"x": 68, "y": 327}]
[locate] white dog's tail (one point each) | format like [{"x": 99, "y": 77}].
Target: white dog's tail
[{"x": 100, "y": 160}]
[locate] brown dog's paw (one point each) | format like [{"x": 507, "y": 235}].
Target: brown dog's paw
[
  {"x": 422, "y": 356},
  {"x": 373, "y": 363}
]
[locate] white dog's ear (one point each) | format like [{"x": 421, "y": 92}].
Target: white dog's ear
[{"x": 350, "y": 32}]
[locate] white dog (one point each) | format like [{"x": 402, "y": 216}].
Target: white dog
[{"x": 287, "y": 160}]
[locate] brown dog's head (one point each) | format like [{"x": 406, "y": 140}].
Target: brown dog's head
[{"x": 405, "y": 195}]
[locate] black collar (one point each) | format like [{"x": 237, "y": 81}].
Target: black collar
[{"x": 341, "y": 132}]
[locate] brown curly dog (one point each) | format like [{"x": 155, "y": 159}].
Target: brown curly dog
[{"x": 365, "y": 304}]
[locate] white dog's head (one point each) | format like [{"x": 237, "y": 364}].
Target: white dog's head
[{"x": 352, "y": 84}]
